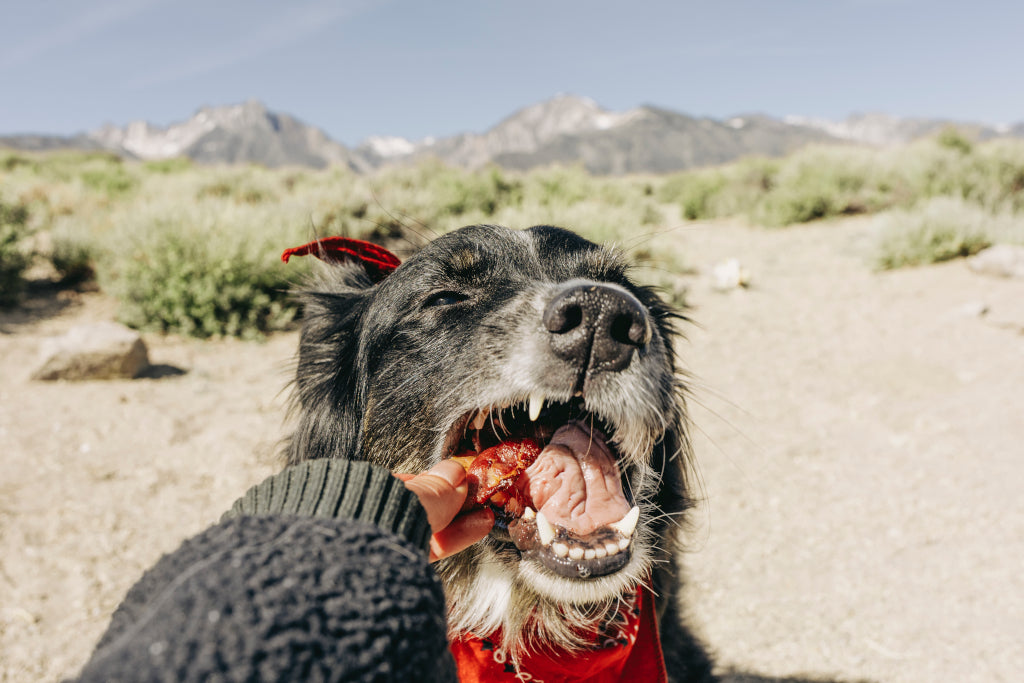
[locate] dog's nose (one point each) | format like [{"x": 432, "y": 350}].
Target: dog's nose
[{"x": 596, "y": 326}]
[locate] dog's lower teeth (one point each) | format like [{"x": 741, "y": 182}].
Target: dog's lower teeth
[
  {"x": 528, "y": 513},
  {"x": 623, "y": 543},
  {"x": 560, "y": 549},
  {"x": 589, "y": 554},
  {"x": 612, "y": 548},
  {"x": 576, "y": 552},
  {"x": 600, "y": 552}
]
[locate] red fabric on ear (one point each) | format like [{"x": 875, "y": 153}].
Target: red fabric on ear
[{"x": 379, "y": 261}]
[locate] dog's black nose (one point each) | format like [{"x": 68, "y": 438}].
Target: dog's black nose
[{"x": 596, "y": 326}]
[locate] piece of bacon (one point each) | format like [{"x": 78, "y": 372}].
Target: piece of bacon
[{"x": 492, "y": 474}]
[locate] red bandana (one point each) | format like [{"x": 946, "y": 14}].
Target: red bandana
[
  {"x": 378, "y": 261},
  {"x": 625, "y": 648}
]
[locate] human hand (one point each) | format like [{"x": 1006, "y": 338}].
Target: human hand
[{"x": 442, "y": 490}]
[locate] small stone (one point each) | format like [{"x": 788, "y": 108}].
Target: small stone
[
  {"x": 970, "y": 309},
  {"x": 104, "y": 350},
  {"x": 729, "y": 275},
  {"x": 1001, "y": 260}
]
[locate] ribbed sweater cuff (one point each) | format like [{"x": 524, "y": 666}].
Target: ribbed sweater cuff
[{"x": 351, "y": 489}]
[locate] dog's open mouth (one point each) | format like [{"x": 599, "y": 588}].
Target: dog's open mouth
[{"x": 564, "y": 506}]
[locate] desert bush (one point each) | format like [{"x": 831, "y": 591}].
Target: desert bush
[
  {"x": 201, "y": 270},
  {"x": 821, "y": 182},
  {"x": 168, "y": 166},
  {"x": 728, "y": 190},
  {"x": 940, "y": 229},
  {"x": 951, "y": 138},
  {"x": 73, "y": 252},
  {"x": 14, "y": 258}
]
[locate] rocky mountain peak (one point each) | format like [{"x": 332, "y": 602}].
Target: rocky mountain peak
[
  {"x": 236, "y": 133},
  {"x": 529, "y": 128}
]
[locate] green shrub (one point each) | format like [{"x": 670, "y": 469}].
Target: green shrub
[
  {"x": 110, "y": 181},
  {"x": 724, "y": 191},
  {"x": 14, "y": 259},
  {"x": 175, "y": 283},
  {"x": 168, "y": 166},
  {"x": 951, "y": 138},
  {"x": 481, "y": 193},
  {"x": 73, "y": 255},
  {"x": 940, "y": 229},
  {"x": 820, "y": 182},
  {"x": 202, "y": 268}
]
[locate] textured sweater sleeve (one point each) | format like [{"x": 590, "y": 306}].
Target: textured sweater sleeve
[
  {"x": 335, "y": 488},
  {"x": 317, "y": 573}
]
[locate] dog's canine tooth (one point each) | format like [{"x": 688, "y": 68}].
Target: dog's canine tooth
[
  {"x": 627, "y": 524},
  {"x": 576, "y": 552},
  {"x": 536, "y": 403},
  {"x": 528, "y": 513},
  {"x": 560, "y": 549},
  {"x": 480, "y": 420},
  {"x": 544, "y": 529}
]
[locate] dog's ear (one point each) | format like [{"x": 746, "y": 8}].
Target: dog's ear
[{"x": 327, "y": 395}]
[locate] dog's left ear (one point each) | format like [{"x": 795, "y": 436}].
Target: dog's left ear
[{"x": 378, "y": 261}]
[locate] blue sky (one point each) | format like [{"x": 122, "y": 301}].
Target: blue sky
[{"x": 358, "y": 68}]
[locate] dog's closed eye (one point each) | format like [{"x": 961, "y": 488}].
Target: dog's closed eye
[{"x": 444, "y": 299}]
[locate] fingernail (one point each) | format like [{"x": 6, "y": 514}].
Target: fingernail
[{"x": 450, "y": 471}]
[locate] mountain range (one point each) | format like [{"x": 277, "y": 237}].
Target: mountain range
[{"x": 567, "y": 129}]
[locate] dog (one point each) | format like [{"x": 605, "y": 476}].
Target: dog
[{"x": 488, "y": 334}]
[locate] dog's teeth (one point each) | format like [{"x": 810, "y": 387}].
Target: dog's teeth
[
  {"x": 600, "y": 552},
  {"x": 560, "y": 549},
  {"x": 480, "y": 420},
  {"x": 536, "y": 403},
  {"x": 627, "y": 524},
  {"x": 612, "y": 548},
  {"x": 623, "y": 543},
  {"x": 529, "y": 514},
  {"x": 589, "y": 554},
  {"x": 576, "y": 552},
  {"x": 544, "y": 529}
]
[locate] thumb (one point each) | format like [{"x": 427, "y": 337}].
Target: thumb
[{"x": 442, "y": 490}]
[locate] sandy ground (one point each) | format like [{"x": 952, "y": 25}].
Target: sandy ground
[{"x": 860, "y": 438}]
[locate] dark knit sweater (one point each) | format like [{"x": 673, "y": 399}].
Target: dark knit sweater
[{"x": 317, "y": 573}]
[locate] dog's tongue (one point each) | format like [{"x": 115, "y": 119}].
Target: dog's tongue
[{"x": 575, "y": 481}]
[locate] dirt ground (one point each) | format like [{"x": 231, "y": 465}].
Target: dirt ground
[{"x": 860, "y": 439}]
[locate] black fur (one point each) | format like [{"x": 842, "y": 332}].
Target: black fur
[{"x": 385, "y": 370}]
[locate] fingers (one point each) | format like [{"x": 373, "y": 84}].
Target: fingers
[
  {"x": 441, "y": 489},
  {"x": 463, "y": 532}
]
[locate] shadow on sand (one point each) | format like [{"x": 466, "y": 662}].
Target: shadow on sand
[
  {"x": 733, "y": 676},
  {"x": 41, "y": 300},
  {"x": 159, "y": 371}
]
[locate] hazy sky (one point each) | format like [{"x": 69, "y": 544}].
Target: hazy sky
[{"x": 400, "y": 67}]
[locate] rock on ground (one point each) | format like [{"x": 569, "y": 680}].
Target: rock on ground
[
  {"x": 1002, "y": 260},
  {"x": 103, "y": 350}
]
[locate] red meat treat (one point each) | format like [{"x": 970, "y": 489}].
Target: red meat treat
[{"x": 492, "y": 474}]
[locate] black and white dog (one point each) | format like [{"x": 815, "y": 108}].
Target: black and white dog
[{"x": 489, "y": 334}]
